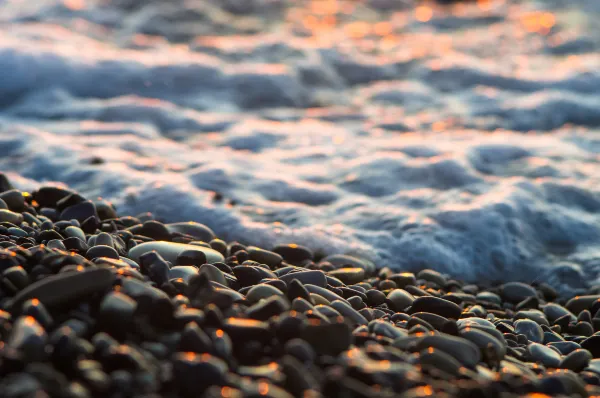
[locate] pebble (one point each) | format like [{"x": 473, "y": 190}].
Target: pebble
[
  {"x": 400, "y": 299},
  {"x": 580, "y": 303},
  {"x": 349, "y": 276},
  {"x": 293, "y": 253},
  {"x": 463, "y": 350},
  {"x": 344, "y": 261},
  {"x": 199, "y": 231},
  {"x": 516, "y": 292},
  {"x": 64, "y": 288},
  {"x": 170, "y": 250},
  {"x": 262, "y": 291},
  {"x": 80, "y": 211},
  {"x": 194, "y": 373},
  {"x": 11, "y": 217},
  {"x": 432, "y": 276},
  {"x": 262, "y": 256},
  {"x": 437, "y": 306},
  {"x": 530, "y": 329},
  {"x": 28, "y": 339},
  {"x": 316, "y": 278},
  {"x": 576, "y": 360},
  {"x": 544, "y": 355}
]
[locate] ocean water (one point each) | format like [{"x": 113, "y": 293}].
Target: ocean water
[{"x": 461, "y": 137}]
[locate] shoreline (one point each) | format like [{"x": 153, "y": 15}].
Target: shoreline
[{"x": 93, "y": 303}]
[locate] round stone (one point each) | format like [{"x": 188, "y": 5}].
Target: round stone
[{"x": 516, "y": 292}]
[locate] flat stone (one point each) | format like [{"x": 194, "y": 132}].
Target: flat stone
[
  {"x": 544, "y": 355},
  {"x": 463, "y": 350},
  {"x": 580, "y": 303},
  {"x": 65, "y": 287},
  {"x": 437, "y": 306},
  {"x": 312, "y": 277},
  {"x": 349, "y": 276},
  {"x": 185, "y": 272},
  {"x": 80, "y": 211},
  {"x": 262, "y": 256},
  {"x": 293, "y": 253},
  {"x": 515, "y": 292},
  {"x": 170, "y": 250},
  {"x": 197, "y": 230},
  {"x": 554, "y": 311},
  {"x": 432, "y": 276},
  {"x": 576, "y": 360},
  {"x": 343, "y": 260}
]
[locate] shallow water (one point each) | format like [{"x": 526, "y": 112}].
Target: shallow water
[{"x": 461, "y": 138}]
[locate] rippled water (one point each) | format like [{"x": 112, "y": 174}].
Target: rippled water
[{"x": 461, "y": 138}]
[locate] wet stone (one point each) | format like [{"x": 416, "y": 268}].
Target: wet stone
[
  {"x": 169, "y": 251},
  {"x": 400, "y": 299},
  {"x": 530, "y": 329},
  {"x": 102, "y": 251},
  {"x": 580, "y": 303},
  {"x": 328, "y": 339},
  {"x": 11, "y": 217},
  {"x": 316, "y": 278},
  {"x": 342, "y": 261},
  {"x": 576, "y": 360},
  {"x": 79, "y": 212},
  {"x": 66, "y": 287},
  {"x": 544, "y": 355},
  {"x": 294, "y": 254},
  {"x": 516, "y": 292},
  {"x": 194, "y": 373},
  {"x": 437, "y": 306},
  {"x": 403, "y": 279},
  {"x": 262, "y": 256},
  {"x": 349, "y": 276},
  {"x": 432, "y": 276},
  {"x": 460, "y": 348},
  {"x": 28, "y": 339},
  {"x": 199, "y": 231}
]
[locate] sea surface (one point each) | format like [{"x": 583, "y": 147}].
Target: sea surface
[{"x": 460, "y": 137}]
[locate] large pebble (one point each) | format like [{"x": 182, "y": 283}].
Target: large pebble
[
  {"x": 580, "y": 303},
  {"x": 170, "y": 250},
  {"x": 576, "y": 360},
  {"x": 463, "y": 350},
  {"x": 315, "y": 277},
  {"x": 530, "y": 329},
  {"x": 65, "y": 287},
  {"x": 349, "y": 276},
  {"x": 516, "y": 292},
  {"x": 262, "y": 256},
  {"x": 342, "y": 260},
  {"x": 400, "y": 299},
  {"x": 11, "y": 217},
  {"x": 293, "y": 253},
  {"x": 436, "y": 305},
  {"x": 28, "y": 338},
  {"x": 194, "y": 372},
  {"x": 198, "y": 231},
  {"x": 544, "y": 355}
]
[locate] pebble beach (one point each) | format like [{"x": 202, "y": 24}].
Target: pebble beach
[{"x": 325, "y": 198}]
